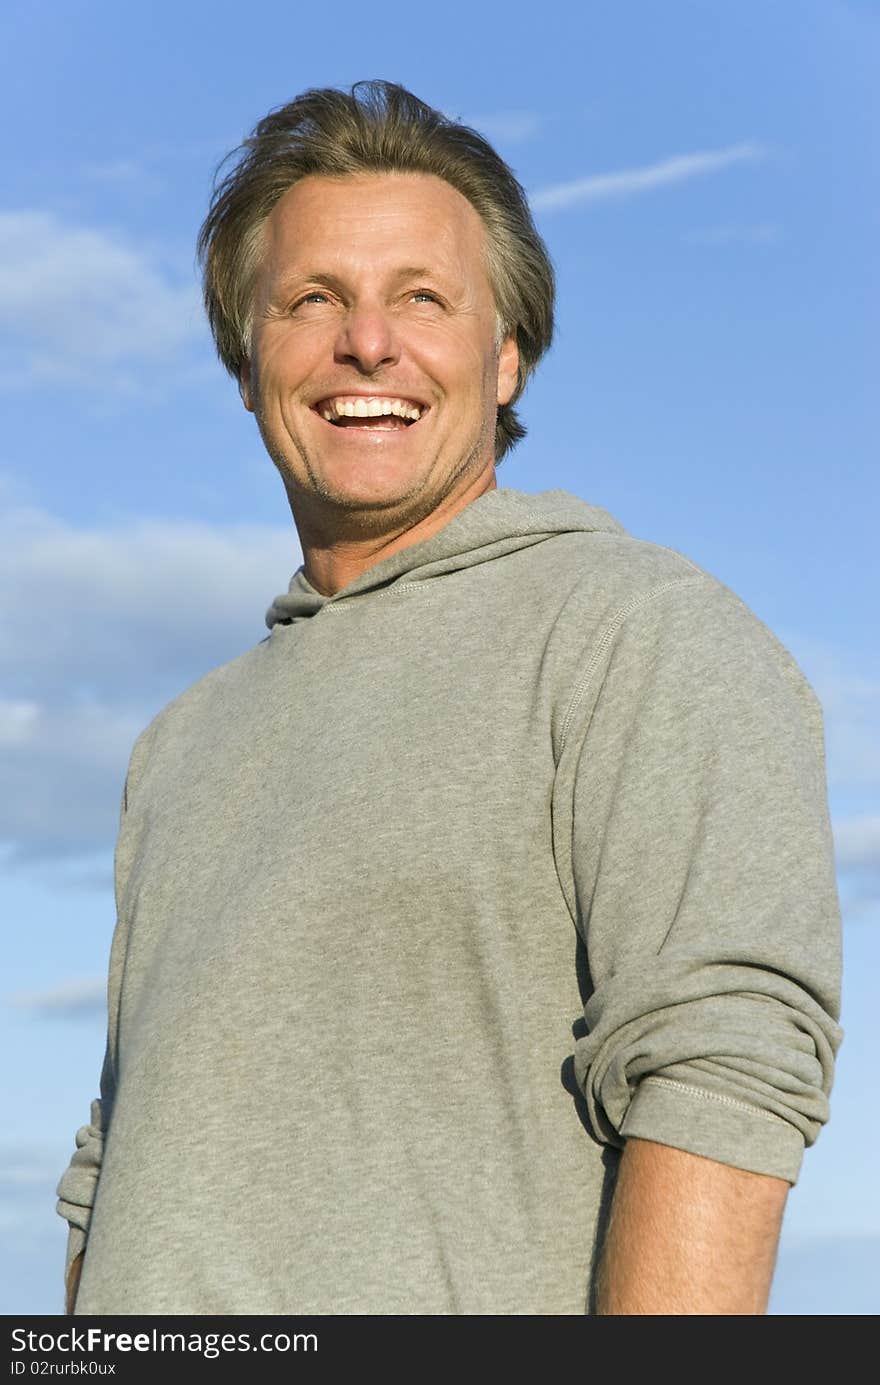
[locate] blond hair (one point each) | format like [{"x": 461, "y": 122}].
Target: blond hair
[{"x": 375, "y": 127}]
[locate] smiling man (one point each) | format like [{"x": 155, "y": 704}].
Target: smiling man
[
  {"x": 374, "y": 369},
  {"x": 478, "y": 939}
]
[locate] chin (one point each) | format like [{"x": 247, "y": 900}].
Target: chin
[{"x": 369, "y": 480}]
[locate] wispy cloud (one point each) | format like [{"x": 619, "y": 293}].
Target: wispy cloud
[
  {"x": 33, "y": 1234},
  {"x": 506, "y": 125},
  {"x": 126, "y": 178},
  {"x": 857, "y": 843},
  {"x": 118, "y": 171},
  {"x": 32, "y": 1231},
  {"x": 734, "y": 235},
  {"x": 123, "y": 619},
  {"x": 63, "y": 785},
  {"x": 857, "y": 856},
  {"x": 848, "y": 686},
  {"x": 86, "y": 999},
  {"x": 680, "y": 168},
  {"x": 88, "y": 607},
  {"x": 18, "y": 722},
  {"x": 25, "y": 1167},
  {"x": 78, "y": 303}
]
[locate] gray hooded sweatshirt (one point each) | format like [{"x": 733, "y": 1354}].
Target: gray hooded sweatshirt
[{"x": 514, "y": 847}]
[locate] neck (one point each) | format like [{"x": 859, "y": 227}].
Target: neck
[{"x": 339, "y": 544}]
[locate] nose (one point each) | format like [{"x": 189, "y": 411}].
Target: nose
[{"x": 367, "y": 339}]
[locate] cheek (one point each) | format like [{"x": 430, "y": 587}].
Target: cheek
[
  {"x": 285, "y": 360},
  {"x": 457, "y": 362}
]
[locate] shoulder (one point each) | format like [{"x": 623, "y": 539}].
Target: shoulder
[
  {"x": 649, "y": 592},
  {"x": 185, "y": 722},
  {"x": 651, "y": 618},
  {"x": 618, "y": 568}
]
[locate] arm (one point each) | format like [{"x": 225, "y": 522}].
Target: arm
[
  {"x": 73, "y": 1275},
  {"x": 78, "y": 1185},
  {"x": 692, "y": 836},
  {"x": 77, "y": 1188},
  {"x": 689, "y": 1236}
]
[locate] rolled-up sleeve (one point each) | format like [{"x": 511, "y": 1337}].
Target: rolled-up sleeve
[
  {"x": 78, "y": 1184},
  {"x": 694, "y": 845}
]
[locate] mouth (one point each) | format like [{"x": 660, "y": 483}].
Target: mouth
[{"x": 371, "y": 413}]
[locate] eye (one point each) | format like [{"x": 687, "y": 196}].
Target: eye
[
  {"x": 312, "y": 297},
  {"x": 423, "y": 293}
]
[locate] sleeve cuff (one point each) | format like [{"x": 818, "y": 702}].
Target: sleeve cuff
[
  {"x": 76, "y": 1241},
  {"x": 714, "y": 1126}
]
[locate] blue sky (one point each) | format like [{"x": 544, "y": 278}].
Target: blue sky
[{"x": 705, "y": 177}]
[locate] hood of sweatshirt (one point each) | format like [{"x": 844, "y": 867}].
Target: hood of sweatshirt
[{"x": 498, "y": 522}]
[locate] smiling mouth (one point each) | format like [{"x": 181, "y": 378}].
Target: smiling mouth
[{"x": 370, "y": 415}]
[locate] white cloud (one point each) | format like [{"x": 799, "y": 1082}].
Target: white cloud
[
  {"x": 24, "y": 1169},
  {"x": 33, "y": 1233},
  {"x": 506, "y": 125},
  {"x": 91, "y": 610},
  {"x": 119, "y": 171},
  {"x": 79, "y": 304},
  {"x": 857, "y": 856},
  {"x": 628, "y": 182},
  {"x": 848, "y": 687},
  {"x": 70, "y": 1000},
  {"x": 63, "y": 785},
  {"x": 18, "y": 722},
  {"x": 734, "y": 235},
  {"x": 98, "y": 629},
  {"x": 857, "y": 844}
]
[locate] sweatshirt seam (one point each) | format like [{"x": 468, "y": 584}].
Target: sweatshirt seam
[
  {"x": 351, "y": 601},
  {"x": 520, "y": 532},
  {"x": 704, "y": 1095},
  {"x": 536, "y": 523},
  {"x": 608, "y": 634}
]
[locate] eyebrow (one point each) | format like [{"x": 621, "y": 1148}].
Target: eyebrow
[
  {"x": 321, "y": 276},
  {"x": 416, "y": 272}
]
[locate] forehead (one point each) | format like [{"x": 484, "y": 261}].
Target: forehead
[{"x": 379, "y": 221}]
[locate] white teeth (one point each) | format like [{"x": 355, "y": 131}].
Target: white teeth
[{"x": 369, "y": 408}]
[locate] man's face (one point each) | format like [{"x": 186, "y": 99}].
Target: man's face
[{"x": 373, "y": 294}]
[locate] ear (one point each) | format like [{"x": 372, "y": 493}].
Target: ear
[
  {"x": 508, "y": 370},
  {"x": 245, "y": 388}
]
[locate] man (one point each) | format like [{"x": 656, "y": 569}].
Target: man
[{"x": 477, "y": 942}]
